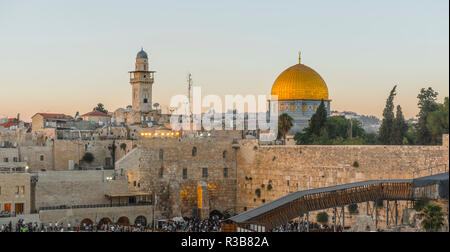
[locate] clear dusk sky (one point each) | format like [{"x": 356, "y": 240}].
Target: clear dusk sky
[{"x": 67, "y": 56}]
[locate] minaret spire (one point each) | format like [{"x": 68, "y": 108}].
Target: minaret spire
[{"x": 299, "y": 57}]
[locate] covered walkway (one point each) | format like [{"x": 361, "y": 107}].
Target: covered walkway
[{"x": 285, "y": 209}]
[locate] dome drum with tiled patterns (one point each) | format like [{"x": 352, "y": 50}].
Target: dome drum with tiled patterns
[{"x": 299, "y": 91}]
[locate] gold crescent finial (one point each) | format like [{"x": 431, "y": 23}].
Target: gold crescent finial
[{"x": 299, "y": 57}]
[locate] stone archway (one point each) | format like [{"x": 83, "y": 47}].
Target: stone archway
[
  {"x": 216, "y": 213},
  {"x": 123, "y": 221},
  {"x": 105, "y": 220},
  {"x": 86, "y": 221},
  {"x": 141, "y": 220}
]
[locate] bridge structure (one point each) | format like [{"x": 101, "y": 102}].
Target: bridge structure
[{"x": 285, "y": 209}]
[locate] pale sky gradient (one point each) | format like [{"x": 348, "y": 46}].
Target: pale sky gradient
[{"x": 66, "y": 56}]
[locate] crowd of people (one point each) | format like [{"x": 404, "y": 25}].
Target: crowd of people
[
  {"x": 213, "y": 224},
  {"x": 302, "y": 226},
  {"x": 23, "y": 227}
]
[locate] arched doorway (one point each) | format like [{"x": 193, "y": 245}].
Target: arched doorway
[
  {"x": 123, "y": 221},
  {"x": 141, "y": 220},
  {"x": 216, "y": 213},
  {"x": 104, "y": 221},
  {"x": 86, "y": 221}
]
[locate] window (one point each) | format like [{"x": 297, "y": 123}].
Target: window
[
  {"x": 225, "y": 172},
  {"x": 22, "y": 190},
  {"x": 194, "y": 151},
  {"x": 304, "y": 108},
  {"x": 5, "y": 160},
  {"x": 41, "y": 157},
  {"x": 185, "y": 175},
  {"x": 205, "y": 172},
  {"x": 224, "y": 154},
  {"x": 15, "y": 159},
  {"x": 145, "y": 100},
  {"x": 161, "y": 172},
  {"x": 108, "y": 162},
  {"x": 292, "y": 107}
]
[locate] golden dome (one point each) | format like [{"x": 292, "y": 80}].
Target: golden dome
[{"x": 300, "y": 82}]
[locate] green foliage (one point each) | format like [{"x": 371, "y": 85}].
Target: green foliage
[
  {"x": 100, "y": 107},
  {"x": 433, "y": 218},
  {"x": 410, "y": 137},
  {"x": 285, "y": 123},
  {"x": 318, "y": 120},
  {"x": 322, "y": 217},
  {"x": 353, "y": 208},
  {"x": 438, "y": 122},
  {"x": 400, "y": 128},
  {"x": 420, "y": 204},
  {"x": 88, "y": 157},
  {"x": 427, "y": 105},
  {"x": 335, "y": 131},
  {"x": 258, "y": 193},
  {"x": 386, "y": 130}
]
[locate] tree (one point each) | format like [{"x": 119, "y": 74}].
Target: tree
[
  {"x": 400, "y": 128},
  {"x": 386, "y": 129},
  {"x": 100, "y": 107},
  {"x": 433, "y": 218},
  {"x": 437, "y": 122},
  {"x": 427, "y": 104},
  {"x": 285, "y": 123},
  {"x": 318, "y": 120},
  {"x": 88, "y": 157}
]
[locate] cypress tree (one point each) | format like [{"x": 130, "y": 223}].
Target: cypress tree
[
  {"x": 319, "y": 119},
  {"x": 400, "y": 127},
  {"x": 386, "y": 129}
]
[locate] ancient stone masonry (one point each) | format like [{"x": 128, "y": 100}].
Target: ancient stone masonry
[
  {"x": 175, "y": 170},
  {"x": 190, "y": 176}
]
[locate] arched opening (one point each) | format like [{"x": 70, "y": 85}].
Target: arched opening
[
  {"x": 123, "y": 221},
  {"x": 216, "y": 213},
  {"x": 194, "y": 151},
  {"x": 105, "y": 221},
  {"x": 140, "y": 221},
  {"x": 86, "y": 221},
  {"x": 224, "y": 154}
]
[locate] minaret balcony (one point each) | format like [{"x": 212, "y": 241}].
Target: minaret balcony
[{"x": 146, "y": 79}]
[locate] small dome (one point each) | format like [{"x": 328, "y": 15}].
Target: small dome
[{"x": 142, "y": 55}]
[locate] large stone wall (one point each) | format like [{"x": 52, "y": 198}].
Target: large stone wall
[
  {"x": 260, "y": 174},
  {"x": 157, "y": 166},
  {"x": 266, "y": 173},
  {"x": 75, "y": 188}
]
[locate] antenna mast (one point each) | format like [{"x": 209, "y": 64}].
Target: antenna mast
[{"x": 189, "y": 92}]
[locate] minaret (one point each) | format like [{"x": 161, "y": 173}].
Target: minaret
[{"x": 141, "y": 80}]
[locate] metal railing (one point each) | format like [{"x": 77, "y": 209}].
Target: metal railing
[
  {"x": 63, "y": 207},
  {"x": 430, "y": 171}
]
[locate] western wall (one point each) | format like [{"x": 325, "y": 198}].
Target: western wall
[{"x": 259, "y": 174}]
